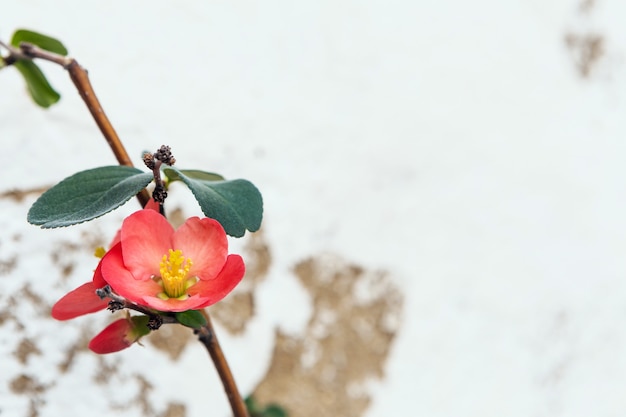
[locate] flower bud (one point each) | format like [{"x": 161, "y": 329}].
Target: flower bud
[{"x": 120, "y": 334}]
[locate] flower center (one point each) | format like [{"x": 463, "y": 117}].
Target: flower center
[{"x": 174, "y": 269}]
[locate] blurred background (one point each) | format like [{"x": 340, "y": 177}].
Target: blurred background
[{"x": 444, "y": 204}]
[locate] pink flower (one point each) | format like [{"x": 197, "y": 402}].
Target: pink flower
[
  {"x": 158, "y": 267},
  {"x": 154, "y": 266}
]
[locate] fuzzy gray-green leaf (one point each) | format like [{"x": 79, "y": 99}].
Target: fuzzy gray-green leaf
[
  {"x": 236, "y": 204},
  {"x": 87, "y": 195}
]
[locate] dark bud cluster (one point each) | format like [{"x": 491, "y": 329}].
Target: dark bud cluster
[
  {"x": 148, "y": 160},
  {"x": 159, "y": 194},
  {"x": 115, "y": 305},
  {"x": 155, "y": 322},
  {"x": 164, "y": 154}
]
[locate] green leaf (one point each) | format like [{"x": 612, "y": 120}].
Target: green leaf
[
  {"x": 251, "y": 404},
  {"x": 254, "y": 409},
  {"x": 172, "y": 175},
  {"x": 87, "y": 195},
  {"x": 40, "y": 90},
  {"x": 42, "y": 41},
  {"x": 274, "y": 410},
  {"x": 191, "y": 318},
  {"x": 236, "y": 204}
]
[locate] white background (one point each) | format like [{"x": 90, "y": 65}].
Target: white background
[{"x": 452, "y": 143}]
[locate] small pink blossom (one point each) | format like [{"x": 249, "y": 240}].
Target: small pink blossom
[
  {"x": 154, "y": 266},
  {"x": 158, "y": 267}
]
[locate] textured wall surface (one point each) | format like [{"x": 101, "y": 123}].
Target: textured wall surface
[{"x": 444, "y": 199}]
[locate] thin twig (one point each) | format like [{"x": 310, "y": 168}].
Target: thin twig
[
  {"x": 119, "y": 303},
  {"x": 81, "y": 80},
  {"x": 14, "y": 54},
  {"x": 207, "y": 337},
  {"x": 31, "y": 51}
]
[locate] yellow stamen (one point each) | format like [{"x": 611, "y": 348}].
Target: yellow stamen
[
  {"x": 100, "y": 251},
  {"x": 174, "y": 269}
]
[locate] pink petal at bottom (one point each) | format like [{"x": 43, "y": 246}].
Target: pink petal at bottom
[{"x": 113, "y": 338}]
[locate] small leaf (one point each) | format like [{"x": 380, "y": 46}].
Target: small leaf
[
  {"x": 87, "y": 195},
  {"x": 274, "y": 410},
  {"x": 42, "y": 41},
  {"x": 191, "y": 318},
  {"x": 236, "y": 204},
  {"x": 172, "y": 175},
  {"x": 254, "y": 409},
  {"x": 251, "y": 404},
  {"x": 40, "y": 90}
]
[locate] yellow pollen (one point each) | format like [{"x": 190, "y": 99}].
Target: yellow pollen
[
  {"x": 174, "y": 269},
  {"x": 99, "y": 252}
]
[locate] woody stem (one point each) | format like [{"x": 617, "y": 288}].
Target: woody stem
[{"x": 207, "y": 336}]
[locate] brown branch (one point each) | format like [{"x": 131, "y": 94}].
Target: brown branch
[
  {"x": 81, "y": 80},
  {"x": 207, "y": 337}
]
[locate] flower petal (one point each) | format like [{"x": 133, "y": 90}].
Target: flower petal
[
  {"x": 153, "y": 205},
  {"x": 83, "y": 300},
  {"x": 122, "y": 281},
  {"x": 98, "y": 280},
  {"x": 216, "y": 289},
  {"x": 113, "y": 338},
  {"x": 204, "y": 242},
  {"x": 172, "y": 304},
  {"x": 145, "y": 238}
]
